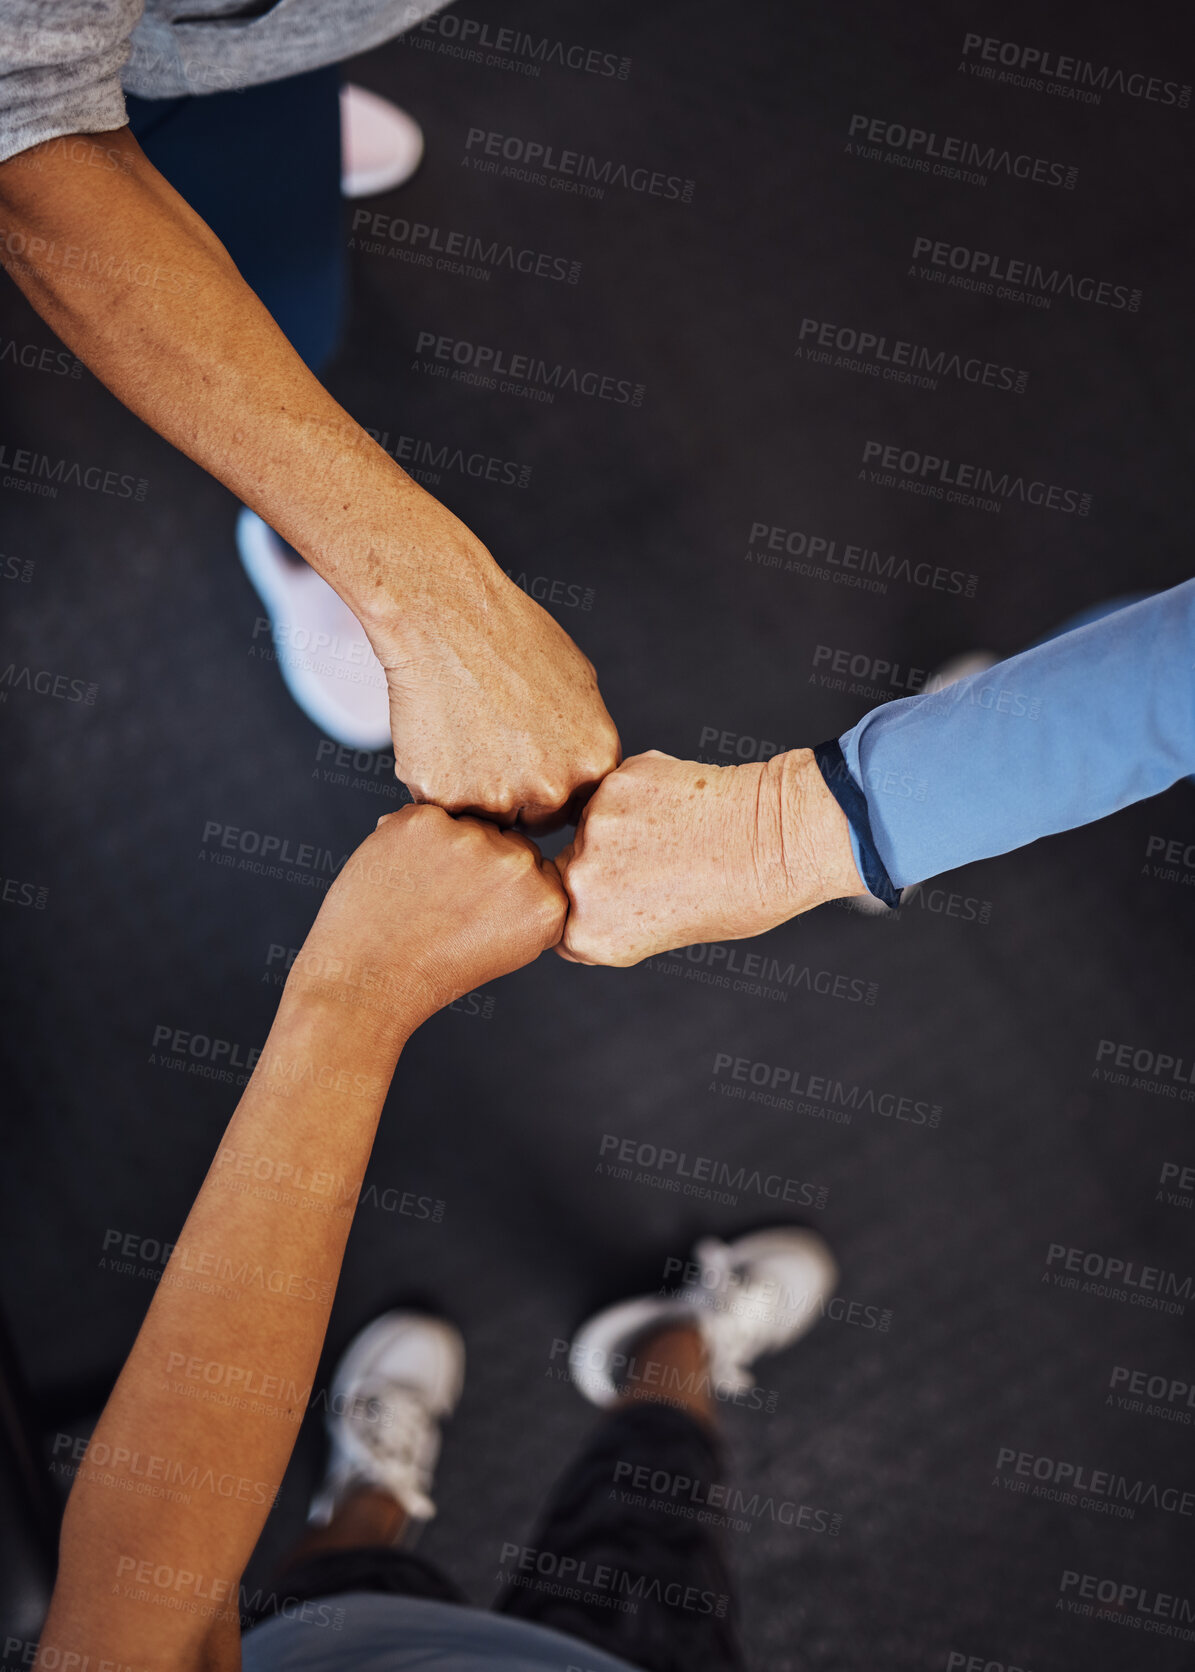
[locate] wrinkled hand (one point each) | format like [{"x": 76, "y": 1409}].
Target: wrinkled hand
[
  {"x": 669, "y": 853},
  {"x": 428, "y": 908},
  {"x": 493, "y": 709}
]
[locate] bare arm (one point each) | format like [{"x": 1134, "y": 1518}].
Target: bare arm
[
  {"x": 493, "y": 707},
  {"x": 427, "y": 908},
  {"x": 133, "y": 281}
]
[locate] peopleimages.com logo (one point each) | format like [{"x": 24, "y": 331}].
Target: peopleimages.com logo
[
  {"x": 37, "y": 358},
  {"x": 1108, "y": 1276},
  {"x": 713, "y": 964},
  {"x": 957, "y": 481},
  {"x": 1162, "y": 1073},
  {"x": 714, "y": 1502},
  {"x": 483, "y": 364},
  {"x": 427, "y": 460},
  {"x": 44, "y": 683},
  {"x": 1126, "y": 1604},
  {"x": 38, "y": 473},
  {"x": 775, "y": 1084},
  {"x": 700, "y": 1175},
  {"x": 1017, "y": 278},
  {"x": 539, "y": 164},
  {"x": 1040, "y": 70},
  {"x": 949, "y": 157},
  {"x": 1061, "y": 1480},
  {"x": 1169, "y": 1397},
  {"x": 498, "y": 46},
  {"x": 1176, "y": 862},
  {"x": 959, "y": 1660},
  {"x": 876, "y": 354},
  {"x": 773, "y": 546},
  {"x": 447, "y": 250}
]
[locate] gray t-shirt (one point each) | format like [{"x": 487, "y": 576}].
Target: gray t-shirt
[
  {"x": 65, "y": 65},
  {"x": 371, "y": 1633}
]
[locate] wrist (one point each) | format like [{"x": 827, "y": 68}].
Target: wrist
[
  {"x": 350, "y": 1006},
  {"x": 424, "y": 568},
  {"x": 811, "y": 855}
]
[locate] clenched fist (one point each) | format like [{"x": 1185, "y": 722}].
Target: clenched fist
[
  {"x": 493, "y": 709},
  {"x": 426, "y": 909},
  {"x": 669, "y": 853}
]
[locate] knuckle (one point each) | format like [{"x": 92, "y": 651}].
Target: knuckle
[
  {"x": 496, "y": 799},
  {"x": 549, "y": 792},
  {"x": 551, "y": 910},
  {"x": 445, "y": 801},
  {"x": 597, "y": 808},
  {"x": 470, "y": 832},
  {"x": 576, "y": 947},
  {"x": 603, "y": 820},
  {"x": 594, "y": 768},
  {"x": 575, "y": 875}
]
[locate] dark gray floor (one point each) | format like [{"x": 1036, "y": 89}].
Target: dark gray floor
[{"x": 898, "y": 1431}]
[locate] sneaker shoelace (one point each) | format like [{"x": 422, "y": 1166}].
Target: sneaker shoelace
[
  {"x": 730, "y": 1315},
  {"x": 392, "y": 1432},
  {"x": 742, "y": 1314}
]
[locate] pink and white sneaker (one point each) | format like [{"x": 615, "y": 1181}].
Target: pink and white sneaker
[
  {"x": 381, "y": 146},
  {"x": 324, "y": 657}
]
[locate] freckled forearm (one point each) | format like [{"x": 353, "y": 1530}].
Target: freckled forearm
[{"x": 142, "y": 291}]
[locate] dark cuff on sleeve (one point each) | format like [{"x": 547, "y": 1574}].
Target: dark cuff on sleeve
[{"x": 832, "y": 765}]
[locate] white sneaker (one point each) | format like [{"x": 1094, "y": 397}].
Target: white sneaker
[
  {"x": 326, "y": 660},
  {"x": 381, "y": 146},
  {"x": 750, "y": 1297},
  {"x": 394, "y": 1385}
]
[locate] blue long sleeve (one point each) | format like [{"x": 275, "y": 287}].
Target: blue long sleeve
[{"x": 1062, "y": 734}]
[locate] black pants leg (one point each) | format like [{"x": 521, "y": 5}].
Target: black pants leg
[
  {"x": 629, "y": 1561},
  {"x": 626, "y": 1558}
]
